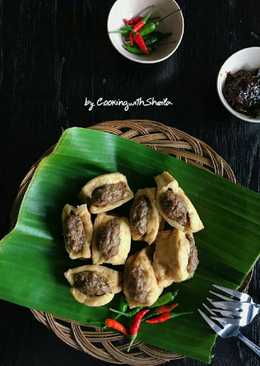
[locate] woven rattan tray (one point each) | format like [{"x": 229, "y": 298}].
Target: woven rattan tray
[{"x": 108, "y": 346}]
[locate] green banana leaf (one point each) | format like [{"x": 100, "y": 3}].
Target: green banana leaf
[{"x": 33, "y": 259}]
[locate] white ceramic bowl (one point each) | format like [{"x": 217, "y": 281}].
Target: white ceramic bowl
[
  {"x": 247, "y": 59},
  {"x": 126, "y": 9}
]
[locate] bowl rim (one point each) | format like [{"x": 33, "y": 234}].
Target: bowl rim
[
  {"x": 239, "y": 115},
  {"x": 142, "y": 60}
]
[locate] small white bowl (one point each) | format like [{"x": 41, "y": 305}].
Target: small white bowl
[
  {"x": 246, "y": 59},
  {"x": 127, "y": 9}
]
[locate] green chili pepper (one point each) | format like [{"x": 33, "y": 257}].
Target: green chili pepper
[
  {"x": 130, "y": 314},
  {"x": 165, "y": 299},
  {"x": 124, "y": 31},
  {"x": 150, "y": 27},
  {"x": 122, "y": 308},
  {"x": 132, "y": 49},
  {"x": 153, "y": 39},
  {"x": 135, "y": 311},
  {"x": 120, "y": 313}
]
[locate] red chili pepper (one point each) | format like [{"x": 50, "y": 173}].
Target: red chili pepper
[
  {"x": 165, "y": 308},
  {"x": 140, "y": 42},
  {"x": 164, "y": 317},
  {"x": 133, "y": 21},
  {"x": 114, "y": 324},
  {"x": 135, "y": 325},
  {"x": 139, "y": 26},
  {"x": 131, "y": 39},
  {"x": 159, "y": 319}
]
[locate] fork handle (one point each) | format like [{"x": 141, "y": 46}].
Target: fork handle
[{"x": 249, "y": 344}]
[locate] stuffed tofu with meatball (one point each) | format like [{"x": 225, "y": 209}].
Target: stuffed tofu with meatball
[
  {"x": 140, "y": 284},
  {"x": 77, "y": 231},
  {"x": 175, "y": 258},
  {"x": 111, "y": 240},
  {"x": 144, "y": 216},
  {"x": 93, "y": 285},
  {"x": 174, "y": 206},
  {"x": 106, "y": 192}
]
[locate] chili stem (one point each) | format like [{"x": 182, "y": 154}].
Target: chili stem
[
  {"x": 121, "y": 313},
  {"x": 131, "y": 343},
  {"x": 145, "y": 10},
  {"x": 167, "y": 16}
]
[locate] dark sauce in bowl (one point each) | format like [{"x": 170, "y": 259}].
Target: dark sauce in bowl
[{"x": 242, "y": 91}]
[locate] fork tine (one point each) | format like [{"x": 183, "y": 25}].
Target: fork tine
[
  {"x": 220, "y": 296},
  {"x": 225, "y": 305},
  {"x": 225, "y": 321},
  {"x": 212, "y": 325},
  {"x": 210, "y": 300},
  {"x": 239, "y": 295},
  {"x": 208, "y": 309},
  {"x": 227, "y": 313}
]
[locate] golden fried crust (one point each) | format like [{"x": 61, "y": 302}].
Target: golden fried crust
[
  {"x": 113, "y": 277},
  {"x": 153, "y": 290},
  {"x": 154, "y": 217},
  {"x": 166, "y": 181},
  {"x": 171, "y": 257},
  {"x": 124, "y": 245},
  {"x": 112, "y": 178},
  {"x": 83, "y": 213}
]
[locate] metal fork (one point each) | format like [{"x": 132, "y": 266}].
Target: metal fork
[
  {"x": 236, "y": 314},
  {"x": 230, "y": 330},
  {"x": 238, "y": 310},
  {"x": 235, "y": 295}
]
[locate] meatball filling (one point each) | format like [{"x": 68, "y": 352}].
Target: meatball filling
[
  {"x": 136, "y": 284},
  {"x": 139, "y": 214},
  {"x": 193, "y": 257},
  {"x": 109, "y": 194},
  {"x": 174, "y": 207},
  {"x": 108, "y": 238},
  {"x": 91, "y": 283},
  {"x": 74, "y": 233}
]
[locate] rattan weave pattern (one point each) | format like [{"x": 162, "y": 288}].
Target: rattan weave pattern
[{"x": 105, "y": 345}]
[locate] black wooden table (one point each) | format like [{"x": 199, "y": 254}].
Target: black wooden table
[{"x": 54, "y": 54}]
